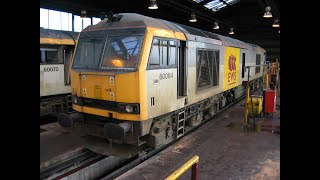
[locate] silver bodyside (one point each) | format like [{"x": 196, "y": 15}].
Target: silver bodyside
[
  {"x": 53, "y": 82},
  {"x": 164, "y": 91}
]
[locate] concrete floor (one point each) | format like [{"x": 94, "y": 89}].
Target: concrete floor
[{"x": 225, "y": 151}]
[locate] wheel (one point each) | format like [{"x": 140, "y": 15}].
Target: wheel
[{"x": 212, "y": 111}]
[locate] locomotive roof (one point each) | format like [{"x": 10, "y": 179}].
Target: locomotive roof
[
  {"x": 58, "y": 34},
  {"x": 137, "y": 20}
]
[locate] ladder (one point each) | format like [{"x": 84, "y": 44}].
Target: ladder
[{"x": 180, "y": 124}]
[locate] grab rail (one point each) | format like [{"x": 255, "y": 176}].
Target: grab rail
[{"x": 192, "y": 162}]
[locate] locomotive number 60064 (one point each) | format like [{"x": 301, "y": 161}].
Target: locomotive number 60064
[{"x": 166, "y": 76}]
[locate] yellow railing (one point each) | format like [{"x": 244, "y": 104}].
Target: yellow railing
[{"x": 192, "y": 162}]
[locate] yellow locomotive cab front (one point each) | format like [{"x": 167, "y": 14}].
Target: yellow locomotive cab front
[
  {"x": 104, "y": 74},
  {"x": 105, "y": 84}
]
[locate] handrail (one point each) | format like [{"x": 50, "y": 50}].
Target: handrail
[{"x": 192, "y": 162}]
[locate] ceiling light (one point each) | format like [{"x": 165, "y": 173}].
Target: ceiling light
[
  {"x": 276, "y": 23},
  {"x": 267, "y": 14},
  {"x": 231, "y": 31},
  {"x": 153, "y": 4},
  {"x": 216, "y": 26},
  {"x": 83, "y": 14},
  {"x": 193, "y": 17}
]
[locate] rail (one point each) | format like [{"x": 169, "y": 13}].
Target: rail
[
  {"x": 193, "y": 162},
  {"x": 74, "y": 162}
]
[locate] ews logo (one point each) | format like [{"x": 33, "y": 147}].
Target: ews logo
[
  {"x": 232, "y": 63},
  {"x": 232, "y": 69}
]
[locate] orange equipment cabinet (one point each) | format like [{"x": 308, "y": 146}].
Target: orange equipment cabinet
[{"x": 270, "y": 101}]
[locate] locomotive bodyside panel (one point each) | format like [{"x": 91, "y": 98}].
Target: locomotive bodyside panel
[
  {"x": 196, "y": 94},
  {"x": 160, "y": 83},
  {"x": 52, "y": 80}
]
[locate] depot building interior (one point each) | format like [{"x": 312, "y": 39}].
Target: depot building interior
[{"x": 160, "y": 89}]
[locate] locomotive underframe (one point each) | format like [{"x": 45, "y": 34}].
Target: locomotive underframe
[{"x": 53, "y": 105}]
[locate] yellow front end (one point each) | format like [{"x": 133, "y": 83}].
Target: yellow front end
[
  {"x": 107, "y": 87},
  {"x": 118, "y": 86},
  {"x": 108, "y": 76}
]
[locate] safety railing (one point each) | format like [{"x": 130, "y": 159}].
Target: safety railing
[{"x": 194, "y": 174}]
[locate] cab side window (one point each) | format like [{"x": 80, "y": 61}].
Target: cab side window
[
  {"x": 154, "y": 59},
  {"x": 50, "y": 54},
  {"x": 163, "y": 53}
]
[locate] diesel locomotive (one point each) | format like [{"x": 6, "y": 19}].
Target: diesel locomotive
[
  {"x": 138, "y": 81},
  {"x": 56, "y": 50}
]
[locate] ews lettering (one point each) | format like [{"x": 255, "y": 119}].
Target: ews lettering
[{"x": 232, "y": 68}]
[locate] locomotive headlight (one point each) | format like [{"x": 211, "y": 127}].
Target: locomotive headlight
[{"x": 129, "y": 108}]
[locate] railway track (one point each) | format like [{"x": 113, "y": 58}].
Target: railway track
[{"x": 68, "y": 164}]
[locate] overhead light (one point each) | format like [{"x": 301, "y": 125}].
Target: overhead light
[
  {"x": 153, "y": 4},
  {"x": 231, "y": 31},
  {"x": 216, "y": 26},
  {"x": 83, "y": 14},
  {"x": 193, "y": 17},
  {"x": 267, "y": 14},
  {"x": 276, "y": 23}
]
